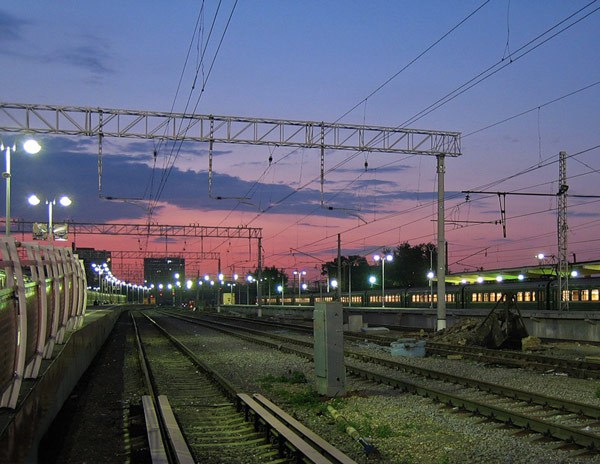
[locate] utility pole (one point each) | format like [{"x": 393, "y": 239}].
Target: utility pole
[
  {"x": 339, "y": 268},
  {"x": 562, "y": 227},
  {"x": 441, "y": 247}
]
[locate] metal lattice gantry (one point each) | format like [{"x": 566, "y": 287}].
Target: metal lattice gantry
[
  {"x": 156, "y": 230},
  {"x": 87, "y": 121},
  {"x": 189, "y": 255},
  {"x": 105, "y": 122}
]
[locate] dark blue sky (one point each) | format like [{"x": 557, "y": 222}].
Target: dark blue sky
[{"x": 378, "y": 63}]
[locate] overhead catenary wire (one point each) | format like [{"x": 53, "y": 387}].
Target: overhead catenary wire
[
  {"x": 285, "y": 199},
  {"x": 522, "y": 51}
]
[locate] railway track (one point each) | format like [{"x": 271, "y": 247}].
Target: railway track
[
  {"x": 568, "y": 422},
  {"x": 194, "y": 415},
  {"x": 575, "y": 368}
]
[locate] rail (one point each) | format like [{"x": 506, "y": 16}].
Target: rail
[
  {"x": 578, "y": 435},
  {"x": 42, "y": 297},
  {"x": 292, "y": 440}
]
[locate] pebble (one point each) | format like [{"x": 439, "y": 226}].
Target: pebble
[{"x": 403, "y": 428}]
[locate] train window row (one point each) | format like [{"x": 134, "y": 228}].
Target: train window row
[{"x": 582, "y": 295}]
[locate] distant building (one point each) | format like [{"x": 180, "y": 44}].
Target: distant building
[
  {"x": 92, "y": 256},
  {"x": 163, "y": 270}
]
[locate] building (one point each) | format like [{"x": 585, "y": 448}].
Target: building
[
  {"x": 92, "y": 256},
  {"x": 163, "y": 270}
]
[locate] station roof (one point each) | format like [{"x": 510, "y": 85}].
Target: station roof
[{"x": 543, "y": 270}]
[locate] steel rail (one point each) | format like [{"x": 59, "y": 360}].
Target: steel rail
[
  {"x": 275, "y": 424},
  {"x": 590, "y": 411},
  {"x": 562, "y": 432},
  {"x": 165, "y": 438},
  {"x": 577, "y": 368}
]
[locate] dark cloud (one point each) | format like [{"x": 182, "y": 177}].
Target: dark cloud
[
  {"x": 11, "y": 28},
  {"x": 68, "y": 165},
  {"x": 583, "y": 214},
  {"x": 378, "y": 170},
  {"x": 92, "y": 58}
]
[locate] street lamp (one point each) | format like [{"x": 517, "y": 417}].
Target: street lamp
[
  {"x": 299, "y": 274},
  {"x": 249, "y": 279},
  {"x": 372, "y": 280},
  {"x": 334, "y": 284},
  {"x": 383, "y": 259},
  {"x": 430, "y": 276},
  {"x": 60, "y": 234},
  {"x": 30, "y": 146}
]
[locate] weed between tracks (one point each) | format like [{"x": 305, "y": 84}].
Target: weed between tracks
[{"x": 293, "y": 388}]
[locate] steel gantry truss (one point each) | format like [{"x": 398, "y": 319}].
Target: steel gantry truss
[
  {"x": 105, "y": 122},
  {"x": 192, "y": 255},
  {"x": 86, "y": 121},
  {"x": 155, "y": 230}
]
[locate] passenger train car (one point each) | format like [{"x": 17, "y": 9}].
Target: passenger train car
[{"x": 583, "y": 294}]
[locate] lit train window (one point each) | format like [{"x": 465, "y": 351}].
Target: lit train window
[
  {"x": 585, "y": 295},
  {"x": 527, "y": 296},
  {"x": 519, "y": 296},
  {"x": 595, "y": 295}
]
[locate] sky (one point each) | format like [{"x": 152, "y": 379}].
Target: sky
[{"x": 519, "y": 79}]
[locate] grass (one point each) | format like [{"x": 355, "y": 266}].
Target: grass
[
  {"x": 598, "y": 392},
  {"x": 293, "y": 388}
]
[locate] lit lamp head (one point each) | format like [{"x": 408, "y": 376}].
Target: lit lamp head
[
  {"x": 33, "y": 200},
  {"x": 31, "y": 146}
]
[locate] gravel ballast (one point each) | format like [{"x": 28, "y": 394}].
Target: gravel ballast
[{"x": 403, "y": 428}]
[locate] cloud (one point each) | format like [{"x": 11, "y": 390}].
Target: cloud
[
  {"x": 378, "y": 170},
  {"x": 583, "y": 214},
  {"x": 90, "y": 57},
  {"x": 69, "y": 166},
  {"x": 11, "y": 27}
]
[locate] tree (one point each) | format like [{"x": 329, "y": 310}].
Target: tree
[
  {"x": 271, "y": 278},
  {"x": 411, "y": 265},
  {"x": 355, "y": 270}
]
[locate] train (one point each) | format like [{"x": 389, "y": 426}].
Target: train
[{"x": 541, "y": 295}]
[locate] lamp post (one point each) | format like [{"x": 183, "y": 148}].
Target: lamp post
[
  {"x": 372, "y": 280},
  {"x": 249, "y": 279},
  {"x": 299, "y": 274},
  {"x": 430, "y": 276},
  {"x": 31, "y": 147},
  {"x": 63, "y": 201},
  {"x": 383, "y": 259}
]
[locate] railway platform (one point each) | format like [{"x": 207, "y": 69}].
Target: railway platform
[{"x": 40, "y": 399}]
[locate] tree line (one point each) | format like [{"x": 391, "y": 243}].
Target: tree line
[{"x": 408, "y": 268}]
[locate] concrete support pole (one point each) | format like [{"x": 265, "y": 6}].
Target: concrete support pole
[
  {"x": 441, "y": 248},
  {"x": 330, "y": 371},
  {"x": 339, "y": 269},
  {"x": 259, "y": 277}
]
